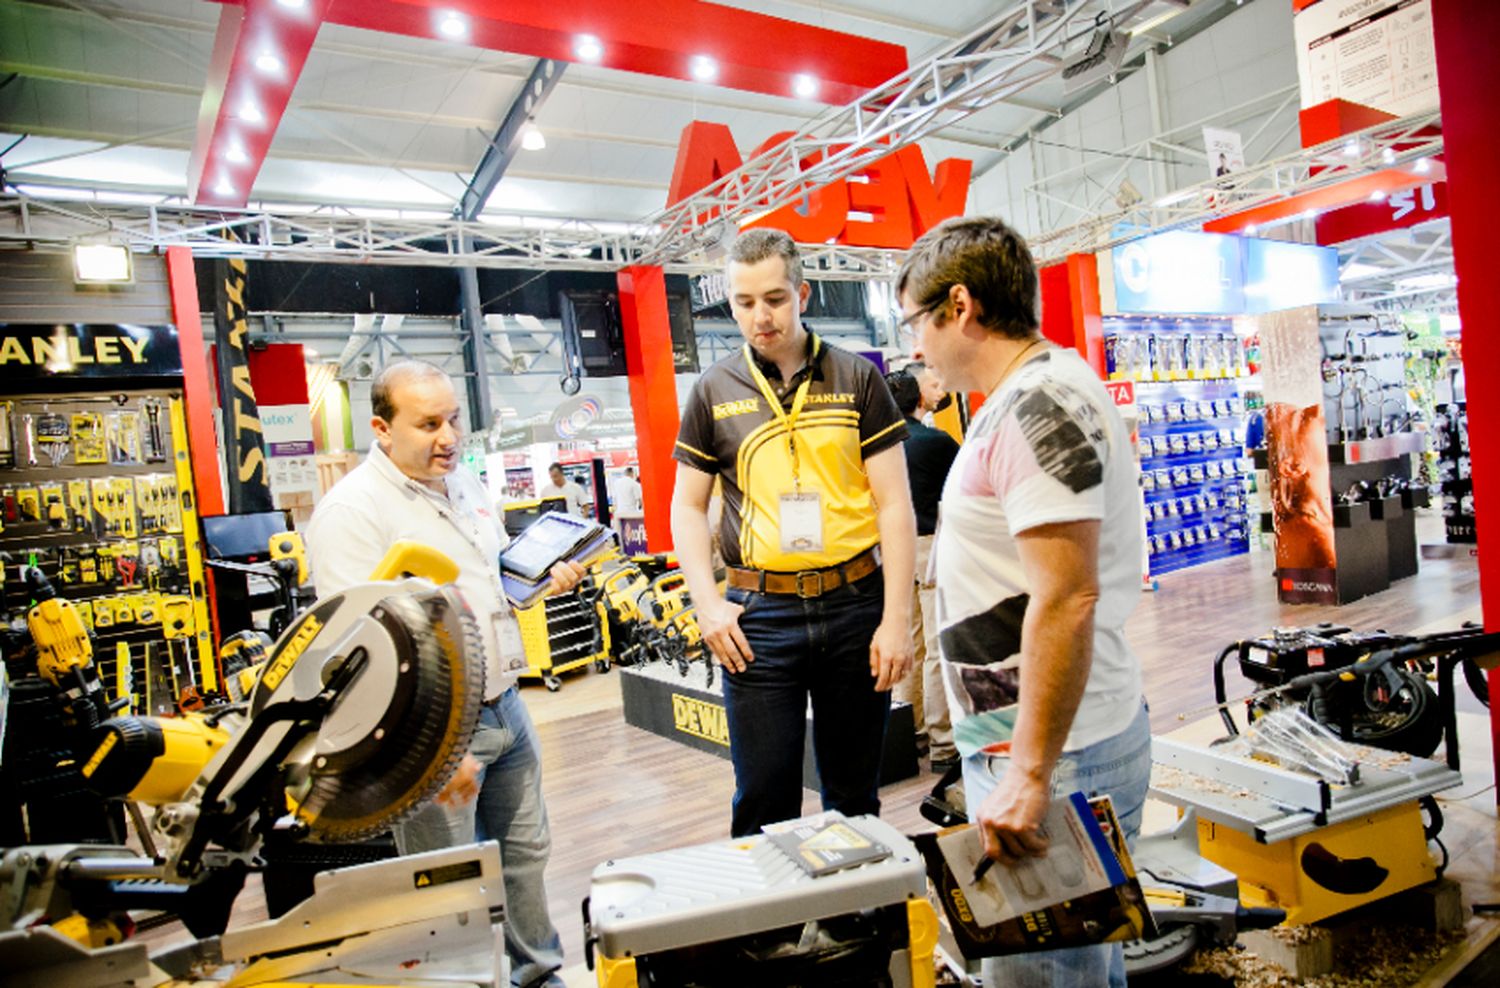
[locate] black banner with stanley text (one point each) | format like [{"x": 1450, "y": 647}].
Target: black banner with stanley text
[{"x": 249, "y": 477}]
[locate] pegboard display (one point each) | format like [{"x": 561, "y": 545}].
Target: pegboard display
[
  {"x": 1451, "y": 430},
  {"x": 96, "y": 490},
  {"x": 1190, "y": 435}
]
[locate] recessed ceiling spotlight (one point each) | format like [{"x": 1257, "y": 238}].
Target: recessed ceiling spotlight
[
  {"x": 293, "y": 4},
  {"x": 588, "y": 48},
  {"x": 804, "y": 86},
  {"x": 268, "y": 63},
  {"x": 1388, "y": 155},
  {"x": 704, "y": 69},
  {"x": 532, "y": 139},
  {"x": 225, "y": 187},
  {"x": 452, "y": 24},
  {"x": 236, "y": 155},
  {"x": 1422, "y": 167},
  {"x": 1351, "y": 149},
  {"x": 1377, "y": 196},
  {"x": 1250, "y": 229},
  {"x": 250, "y": 113}
]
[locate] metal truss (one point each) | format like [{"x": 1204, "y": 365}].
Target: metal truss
[
  {"x": 1407, "y": 141},
  {"x": 1398, "y": 268},
  {"x": 1011, "y": 52},
  {"x": 340, "y": 235}
]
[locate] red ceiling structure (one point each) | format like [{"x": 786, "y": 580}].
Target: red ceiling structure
[{"x": 262, "y": 46}]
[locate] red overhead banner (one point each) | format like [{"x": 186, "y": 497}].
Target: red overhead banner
[
  {"x": 889, "y": 203},
  {"x": 1406, "y": 208}
]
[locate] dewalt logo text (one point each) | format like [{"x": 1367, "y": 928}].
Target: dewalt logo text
[
  {"x": 744, "y": 406},
  {"x": 700, "y": 719},
  {"x": 293, "y": 651}
]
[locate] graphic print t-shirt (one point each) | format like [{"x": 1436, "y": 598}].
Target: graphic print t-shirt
[{"x": 1047, "y": 447}]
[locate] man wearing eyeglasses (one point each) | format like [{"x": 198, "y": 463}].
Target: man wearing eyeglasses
[
  {"x": 1038, "y": 566},
  {"x": 807, "y": 443}
]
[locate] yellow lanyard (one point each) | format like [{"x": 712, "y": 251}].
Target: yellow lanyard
[{"x": 789, "y": 421}]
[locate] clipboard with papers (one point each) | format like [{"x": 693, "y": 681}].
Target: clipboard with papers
[{"x": 526, "y": 563}]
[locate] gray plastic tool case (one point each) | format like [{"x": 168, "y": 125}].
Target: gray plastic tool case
[{"x": 731, "y": 888}]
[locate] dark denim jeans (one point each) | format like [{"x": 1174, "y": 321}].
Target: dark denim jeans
[{"x": 820, "y": 648}]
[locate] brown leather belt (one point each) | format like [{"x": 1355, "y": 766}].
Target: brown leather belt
[{"x": 809, "y": 582}]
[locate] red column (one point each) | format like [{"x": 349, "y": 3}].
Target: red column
[
  {"x": 1071, "y": 310},
  {"x": 197, "y": 389},
  {"x": 1468, "y": 78},
  {"x": 653, "y": 393}
]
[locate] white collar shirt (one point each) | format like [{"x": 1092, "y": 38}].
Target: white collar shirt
[{"x": 376, "y": 505}]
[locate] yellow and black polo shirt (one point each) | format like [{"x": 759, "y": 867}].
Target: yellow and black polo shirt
[{"x": 728, "y": 429}]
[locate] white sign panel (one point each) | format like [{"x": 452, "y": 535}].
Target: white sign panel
[
  {"x": 1226, "y": 153},
  {"x": 1378, "y": 53},
  {"x": 287, "y": 430}
]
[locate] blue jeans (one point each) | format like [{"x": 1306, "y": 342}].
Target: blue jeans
[
  {"x": 817, "y": 647},
  {"x": 509, "y": 810},
  {"x": 1118, "y": 767}
]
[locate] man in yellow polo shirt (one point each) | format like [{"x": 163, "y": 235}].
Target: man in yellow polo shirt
[{"x": 807, "y": 442}]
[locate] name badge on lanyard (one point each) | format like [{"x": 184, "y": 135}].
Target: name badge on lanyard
[
  {"x": 802, "y": 522},
  {"x": 512, "y": 648},
  {"x": 801, "y": 514}
]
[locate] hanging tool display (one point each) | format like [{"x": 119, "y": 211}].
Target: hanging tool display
[{"x": 105, "y": 520}]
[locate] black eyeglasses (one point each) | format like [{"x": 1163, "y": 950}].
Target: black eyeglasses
[{"x": 907, "y": 326}]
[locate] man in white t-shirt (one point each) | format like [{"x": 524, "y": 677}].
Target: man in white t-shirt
[
  {"x": 562, "y": 487},
  {"x": 628, "y": 495},
  {"x": 1038, "y": 565}
]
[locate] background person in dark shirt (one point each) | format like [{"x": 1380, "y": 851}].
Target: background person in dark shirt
[{"x": 929, "y": 454}]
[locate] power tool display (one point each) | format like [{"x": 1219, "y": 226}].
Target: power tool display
[
  {"x": 1369, "y": 687},
  {"x": 363, "y": 710},
  {"x": 100, "y": 500}
]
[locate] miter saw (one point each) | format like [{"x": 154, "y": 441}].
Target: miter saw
[{"x": 362, "y": 712}]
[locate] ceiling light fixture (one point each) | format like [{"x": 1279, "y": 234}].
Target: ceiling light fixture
[
  {"x": 532, "y": 139},
  {"x": 1377, "y": 196},
  {"x": 250, "y": 113},
  {"x": 293, "y": 4},
  {"x": 1388, "y": 155},
  {"x": 804, "y": 86},
  {"x": 1250, "y": 229},
  {"x": 452, "y": 24},
  {"x": 236, "y": 155},
  {"x": 704, "y": 69},
  {"x": 224, "y": 188},
  {"x": 588, "y": 48},
  {"x": 268, "y": 63},
  {"x": 1422, "y": 167},
  {"x": 1351, "y": 150}
]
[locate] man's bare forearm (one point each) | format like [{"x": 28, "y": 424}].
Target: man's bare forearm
[
  {"x": 1057, "y": 650},
  {"x": 694, "y": 547},
  {"x": 898, "y": 555}
]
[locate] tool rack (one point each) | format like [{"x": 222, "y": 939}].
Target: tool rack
[{"x": 96, "y": 491}]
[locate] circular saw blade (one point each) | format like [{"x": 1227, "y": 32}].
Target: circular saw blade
[
  {"x": 1174, "y": 946},
  {"x": 435, "y": 633}
]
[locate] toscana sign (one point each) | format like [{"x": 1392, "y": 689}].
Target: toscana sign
[{"x": 897, "y": 196}]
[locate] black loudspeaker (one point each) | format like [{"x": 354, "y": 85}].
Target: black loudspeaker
[{"x": 591, "y": 324}]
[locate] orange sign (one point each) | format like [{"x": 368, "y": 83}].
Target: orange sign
[{"x": 901, "y": 200}]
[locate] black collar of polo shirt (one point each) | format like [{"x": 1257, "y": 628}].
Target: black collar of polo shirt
[{"x": 773, "y": 373}]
